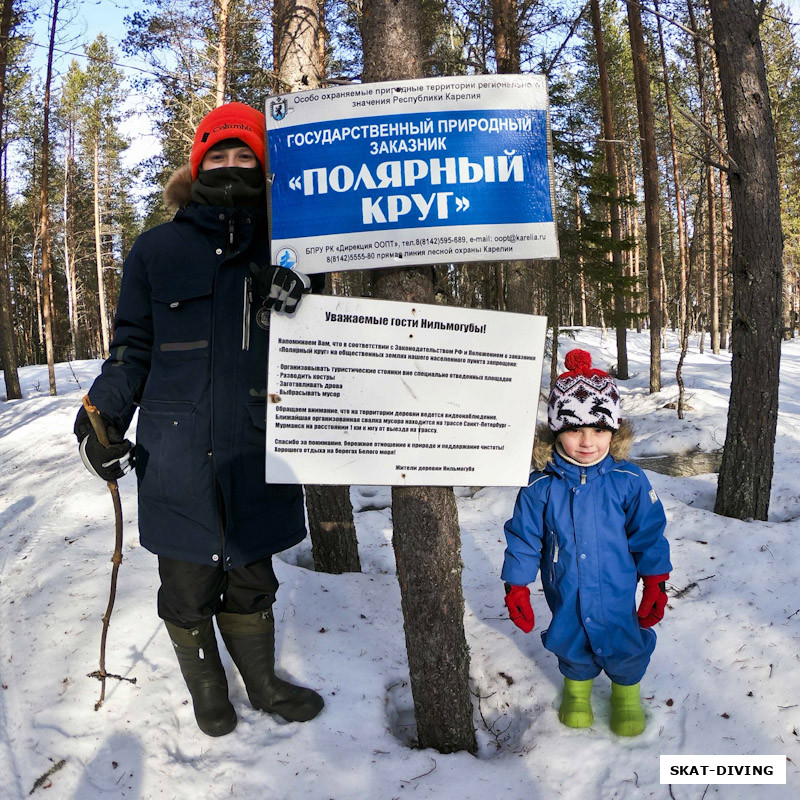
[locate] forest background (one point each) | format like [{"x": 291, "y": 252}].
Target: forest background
[
  {"x": 676, "y": 136},
  {"x": 130, "y": 82}
]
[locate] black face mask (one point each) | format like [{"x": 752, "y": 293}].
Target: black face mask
[{"x": 233, "y": 187}]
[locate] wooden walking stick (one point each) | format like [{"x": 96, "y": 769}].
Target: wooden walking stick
[{"x": 116, "y": 559}]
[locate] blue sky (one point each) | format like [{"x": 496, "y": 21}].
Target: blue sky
[{"x": 79, "y": 24}]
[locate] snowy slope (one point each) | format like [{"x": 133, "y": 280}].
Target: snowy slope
[{"x": 725, "y": 677}]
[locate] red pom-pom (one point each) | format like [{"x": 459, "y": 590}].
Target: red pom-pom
[{"x": 578, "y": 361}]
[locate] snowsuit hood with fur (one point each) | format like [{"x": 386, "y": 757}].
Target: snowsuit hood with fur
[{"x": 178, "y": 355}]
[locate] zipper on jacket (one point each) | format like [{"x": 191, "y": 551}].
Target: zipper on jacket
[
  {"x": 583, "y": 476},
  {"x": 247, "y": 302},
  {"x": 230, "y": 231},
  {"x": 554, "y": 559}
]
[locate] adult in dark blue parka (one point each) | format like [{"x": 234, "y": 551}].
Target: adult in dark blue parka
[{"x": 190, "y": 351}]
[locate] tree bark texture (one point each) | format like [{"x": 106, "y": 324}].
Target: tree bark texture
[
  {"x": 506, "y": 36},
  {"x": 390, "y": 35},
  {"x": 427, "y": 551},
  {"x": 647, "y": 136},
  {"x": 298, "y": 59},
  {"x": 333, "y": 534},
  {"x": 745, "y": 477},
  {"x": 426, "y": 530},
  {"x": 8, "y": 354}
]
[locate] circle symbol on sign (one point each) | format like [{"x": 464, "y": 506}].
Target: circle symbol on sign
[{"x": 287, "y": 258}]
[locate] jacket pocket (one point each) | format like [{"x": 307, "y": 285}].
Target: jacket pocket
[
  {"x": 254, "y": 458},
  {"x": 182, "y": 309},
  {"x": 258, "y": 415},
  {"x": 164, "y": 451}
]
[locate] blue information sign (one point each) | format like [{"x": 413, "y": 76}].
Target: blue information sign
[{"x": 411, "y": 172}]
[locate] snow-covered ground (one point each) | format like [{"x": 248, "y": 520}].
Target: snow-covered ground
[{"x": 724, "y": 679}]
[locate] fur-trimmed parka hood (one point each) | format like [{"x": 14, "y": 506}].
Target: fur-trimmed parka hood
[
  {"x": 178, "y": 191},
  {"x": 545, "y": 441}
]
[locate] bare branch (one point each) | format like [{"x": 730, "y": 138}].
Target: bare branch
[
  {"x": 572, "y": 30},
  {"x": 734, "y": 167},
  {"x": 694, "y": 34}
]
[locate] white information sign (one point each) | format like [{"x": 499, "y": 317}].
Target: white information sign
[
  {"x": 404, "y": 394},
  {"x": 412, "y": 172}
]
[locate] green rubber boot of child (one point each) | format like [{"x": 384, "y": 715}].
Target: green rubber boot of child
[
  {"x": 627, "y": 716},
  {"x": 576, "y": 710}
]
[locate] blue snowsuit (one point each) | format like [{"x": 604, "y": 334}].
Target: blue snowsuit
[{"x": 593, "y": 531}]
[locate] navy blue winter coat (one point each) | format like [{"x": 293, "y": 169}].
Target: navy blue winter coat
[
  {"x": 591, "y": 531},
  {"x": 178, "y": 355}
]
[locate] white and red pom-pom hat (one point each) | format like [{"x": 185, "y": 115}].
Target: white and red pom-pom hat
[{"x": 583, "y": 397}]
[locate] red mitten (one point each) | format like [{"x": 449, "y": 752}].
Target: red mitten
[
  {"x": 654, "y": 599},
  {"x": 518, "y": 602}
]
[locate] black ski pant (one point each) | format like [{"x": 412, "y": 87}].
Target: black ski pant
[{"x": 192, "y": 592}]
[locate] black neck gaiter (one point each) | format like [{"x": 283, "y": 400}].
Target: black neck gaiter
[{"x": 232, "y": 187}]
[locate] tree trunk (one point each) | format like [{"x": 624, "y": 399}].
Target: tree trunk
[
  {"x": 299, "y": 65},
  {"x": 222, "y": 53},
  {"x": 555, "y": 315},
  {"x": 519, "y": 283},
  {"x": 98, "y": 251},
  {"x": 724, "y": 265},
  {"x": 745, "y": 477},
  {"x": 644, "y": 103},
  {"x": 298, "y": 62},
  {"x": 631, "y": 224},
  {"x": 426, "y": 531},
  {"x": 333, "y": 532},
  {"x": 683, "y": 289},
  {"x": 506, "y": 36},
  {"x": 8, "y": 354},
  {"x": 618, "y": 257},
  {"x": 70, "y": 267},
  {"x": 47, "y": 281},
  {"x": 517, "y": 275},
  {"x": 713, "y": 281},
  {"x": 581, "y": 272}
]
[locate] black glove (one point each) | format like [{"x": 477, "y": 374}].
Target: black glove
[
  {"x": 108, "y": 463},
  {"x": 278, "y": 287}
]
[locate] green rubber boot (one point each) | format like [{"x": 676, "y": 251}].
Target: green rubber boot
[
  {"x": 576, "y": 710},
  {"x": 627, "y": 715},
  {"x": 198, "y": 657},
  {"x": 250, "y": 639}
]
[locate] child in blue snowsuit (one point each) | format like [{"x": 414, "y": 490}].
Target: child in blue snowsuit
[{"x": 593, "y": 525}]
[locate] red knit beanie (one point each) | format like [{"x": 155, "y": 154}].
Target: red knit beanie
[
  {"x": 231, "y": 121},
  {"x": 583, "y": 396}
]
